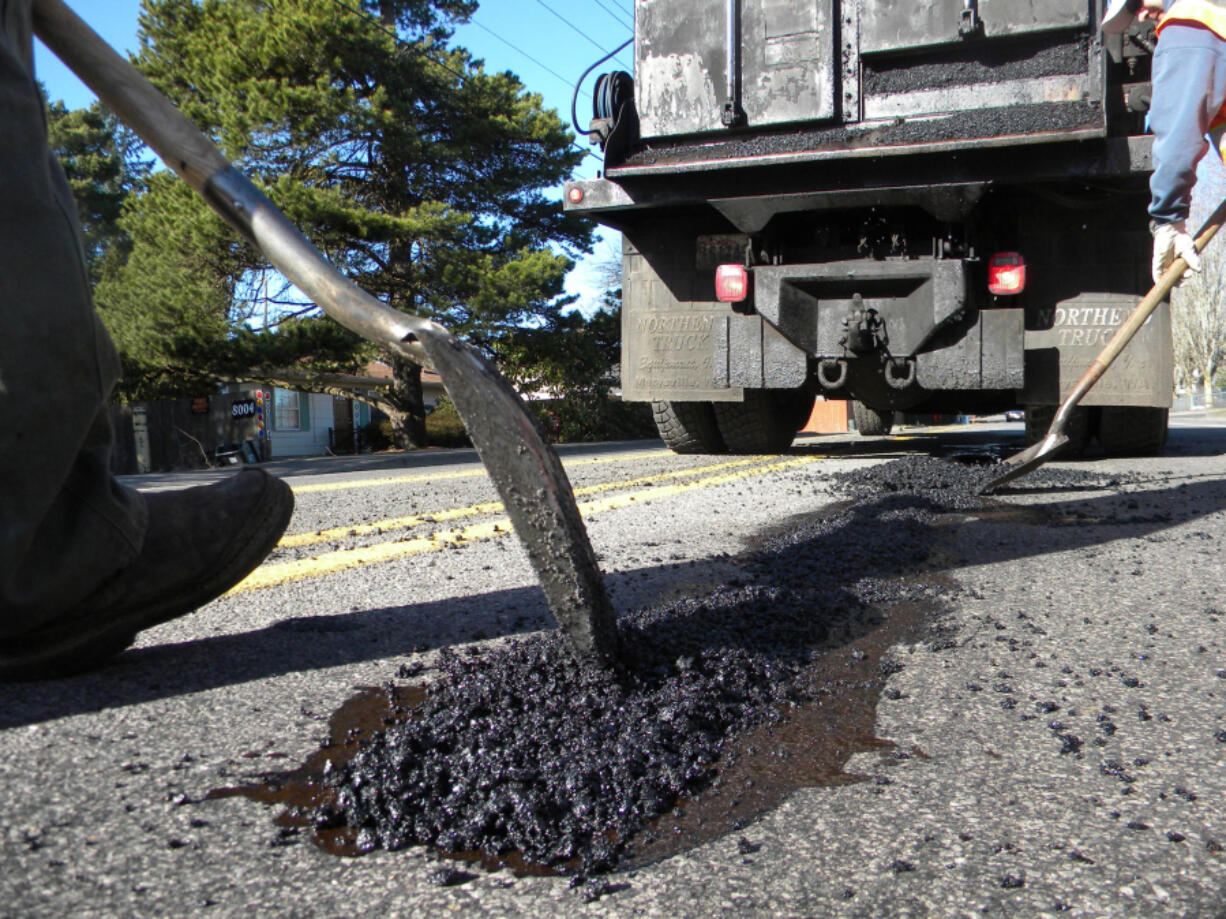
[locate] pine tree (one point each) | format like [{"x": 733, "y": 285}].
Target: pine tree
[
  {"x": 103, "y": 163},
  {"x": 416, "y": 171}
]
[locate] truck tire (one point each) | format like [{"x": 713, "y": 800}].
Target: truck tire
[
  {"x": 1079, "y": 428},
  {"x": 760, "y": 424},
  {"x": 796, "y": 405},
  {"x": 870, "y": 422},
  {"x": 1132, "y": 430},
  {"x": 687, "y": 427}
]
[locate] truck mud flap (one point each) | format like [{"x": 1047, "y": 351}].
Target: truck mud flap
[{"x": 1076, "y": 331}]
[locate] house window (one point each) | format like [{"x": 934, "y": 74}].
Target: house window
[{"x": 287, "y": 410}]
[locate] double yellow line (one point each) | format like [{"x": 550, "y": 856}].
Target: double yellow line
[
  {"x": 275, "y": 574},
  {"x": 334, "y": 534},
  {"x": 476, "y": 471}
]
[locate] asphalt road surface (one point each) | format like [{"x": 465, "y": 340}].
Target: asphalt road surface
[{"x": 1060, "y": 749}]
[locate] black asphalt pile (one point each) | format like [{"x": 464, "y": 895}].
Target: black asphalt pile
[
  {"x": 945, "y": 485},
  {"x": 517, "y": 749},
  {"x": 522, "y": 750}
]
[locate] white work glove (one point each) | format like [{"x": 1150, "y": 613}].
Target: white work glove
[{"x": 1171, "y": 240}]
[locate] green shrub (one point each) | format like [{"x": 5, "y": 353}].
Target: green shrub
[
  {"x": 586, "y": 416},
  {"x": 377, "y": 436},
  {"x": 444, "y": 427},
  {"x": 591, "y": 415}
]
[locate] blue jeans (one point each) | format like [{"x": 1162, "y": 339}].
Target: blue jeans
[
  {"x": 65, "y": 523},
  {"x": 1189, "y": 80}
]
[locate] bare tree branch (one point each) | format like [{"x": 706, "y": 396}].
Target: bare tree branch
[{"x": 1198, "y": 307}]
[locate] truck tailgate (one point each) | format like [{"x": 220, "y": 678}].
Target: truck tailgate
[{"x": 730, "y": 83}]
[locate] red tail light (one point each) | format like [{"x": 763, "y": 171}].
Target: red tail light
[
  {"x": 731, "y": 283},
  {"x": 1006, "y": 274}
]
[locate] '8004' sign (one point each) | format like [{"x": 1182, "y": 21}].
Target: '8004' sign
[{"x": 243, "y": 408}]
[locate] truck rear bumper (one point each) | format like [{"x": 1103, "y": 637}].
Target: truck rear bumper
[
  {"x": 929, "y": 336},
  {"x": 851, "y": 178}
]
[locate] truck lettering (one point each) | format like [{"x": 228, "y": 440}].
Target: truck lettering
[
  {"x": 649, "y": 365},
  {"x": 679, "y": 342},
  {"x": 1085, "y": 337},
  {"x": 654, "y": 383},
  {"x": 1090, "y": 316},
  {"x": 668, "y": 324}
]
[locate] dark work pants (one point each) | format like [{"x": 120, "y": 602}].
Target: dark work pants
[{"x": 65, "y": 523}]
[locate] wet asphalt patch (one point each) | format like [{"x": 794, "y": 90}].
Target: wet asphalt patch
[{"x": 515, "y": 756}]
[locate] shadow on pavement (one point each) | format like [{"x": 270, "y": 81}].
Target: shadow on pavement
[
  {"x": 1084, "y": 522},
  {"x": 303, "y": 644},
  {"x": 864, "y": 541}
]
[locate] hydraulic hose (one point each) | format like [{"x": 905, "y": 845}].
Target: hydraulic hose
[
  {"x": 610, "y": 91},
  {"x": 574, "y": 99}
]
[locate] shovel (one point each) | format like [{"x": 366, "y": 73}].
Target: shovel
[
  {"x": 524, "y": 468},
  {"x": 1033, "y": 457}
]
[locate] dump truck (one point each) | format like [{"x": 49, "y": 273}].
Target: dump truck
[{"x": 919, "y": 207}]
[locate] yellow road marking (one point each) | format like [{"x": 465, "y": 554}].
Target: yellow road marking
[
  {"x": 588, "y": 508},
  {"x": 279, "y": 573},
  {"x": 332, "y": 534},
  {"x": 461, "y": 474}
]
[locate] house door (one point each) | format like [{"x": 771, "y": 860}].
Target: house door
[{"x": 342, "y": 425}]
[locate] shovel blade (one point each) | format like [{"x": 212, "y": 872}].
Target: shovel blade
[
  {"x": 536, "y": 493},
  {"x": 1027, "y": 461}
]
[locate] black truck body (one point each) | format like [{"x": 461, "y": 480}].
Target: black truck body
[{"x": 867, "y": 162}]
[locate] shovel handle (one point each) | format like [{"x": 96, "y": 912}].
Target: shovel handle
[
  {"x": 524, "y": 468},
  {"x": 124, "y": 89},
  {"x": 186, "y": 150},
  {"x": 1124, "y": 334}
]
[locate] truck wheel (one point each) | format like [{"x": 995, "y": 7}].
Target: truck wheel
[
  {"x": 796, "y": 405},
  {"x": 870, "y": 422},
  {"x": 687, "y": 427},
  {"x": 1078, "y": 429},
  {"x": 1132, "y": 430},
  {"x": 760, "y": 424}
]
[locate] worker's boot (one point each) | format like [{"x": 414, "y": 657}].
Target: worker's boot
[{"x": 200, "y": 543}]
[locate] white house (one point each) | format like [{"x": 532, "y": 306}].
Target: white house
[
  {"x": 312, "y": 424},
  {"x": 304, "y": 423}
]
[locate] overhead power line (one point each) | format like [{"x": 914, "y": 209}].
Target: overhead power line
[
  {"x": 543, "y": 66},
  {"x": 574, "y": 27},
  {"x": 463, "y": 77},
  {"x": 620, "y": 16}
]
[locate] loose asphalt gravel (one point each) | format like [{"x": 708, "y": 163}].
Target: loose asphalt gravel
[{"x": 1022, "y": 699}]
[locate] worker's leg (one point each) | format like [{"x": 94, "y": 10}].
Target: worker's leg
[
  {"x": 1189, "y": 80},
  {"x": 84, "y": 563},
  {"x": 65, "y": 526}
]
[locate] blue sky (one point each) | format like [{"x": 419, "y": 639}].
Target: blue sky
[{"x": 548, "y": 43}]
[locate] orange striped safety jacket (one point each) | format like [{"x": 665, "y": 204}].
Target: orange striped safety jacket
[{"x": 1209, "y": 13}]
